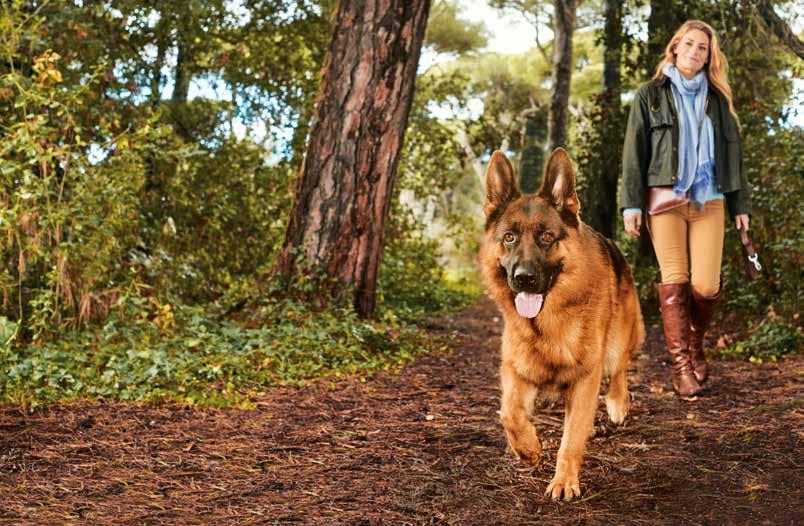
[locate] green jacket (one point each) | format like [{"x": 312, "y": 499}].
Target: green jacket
[{"x": 650, "y": 151}]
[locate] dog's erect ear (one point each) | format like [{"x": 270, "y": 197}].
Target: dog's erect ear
[
  {"x": 501, "y": 187},
  {"x": 558, "y": 183}
]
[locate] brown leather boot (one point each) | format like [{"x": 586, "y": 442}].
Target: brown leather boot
[
  {"x": 675, "y": 306},
  {"x": 701, "y": 310}
]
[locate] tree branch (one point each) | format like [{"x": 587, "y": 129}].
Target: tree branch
[
  {"x": 547, "y": 58},
  {"x": 779, "y": 27}
]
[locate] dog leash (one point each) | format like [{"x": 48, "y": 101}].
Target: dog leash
[{"x": 752, "y": 267}]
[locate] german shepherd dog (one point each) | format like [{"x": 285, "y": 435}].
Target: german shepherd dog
[{"x": 570, "y": 308}]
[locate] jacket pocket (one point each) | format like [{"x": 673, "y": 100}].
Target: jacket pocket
[{"x": 661, "y": 142}]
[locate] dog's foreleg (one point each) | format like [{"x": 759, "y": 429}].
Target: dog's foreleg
[
  {"x": 517, "y": 405},
  {"x": 581, "y": 406}
]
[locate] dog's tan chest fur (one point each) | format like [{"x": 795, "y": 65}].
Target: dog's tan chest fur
[{"x": 547, "y": 360}]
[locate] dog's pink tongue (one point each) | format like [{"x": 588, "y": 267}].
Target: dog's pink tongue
[{"x": 528, "y": 304}]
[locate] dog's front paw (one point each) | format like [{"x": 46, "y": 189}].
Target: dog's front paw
[
  {"x": 565, "y": 484},
  {"x": 522, "y": 439}
]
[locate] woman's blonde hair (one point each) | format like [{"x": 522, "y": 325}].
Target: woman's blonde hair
[{"x": 715, "y": 65}]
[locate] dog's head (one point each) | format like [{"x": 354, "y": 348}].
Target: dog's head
[{"x": 527, "y": 234}]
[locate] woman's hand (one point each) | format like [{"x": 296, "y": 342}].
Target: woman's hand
[
  {"x": 633, "y": 222},
  {"x": 741, "y": 222}
]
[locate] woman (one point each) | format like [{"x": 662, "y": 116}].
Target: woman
[{"x": 682, "y": 158}]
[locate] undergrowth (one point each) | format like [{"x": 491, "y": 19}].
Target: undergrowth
[
  {"x": 147, "y": 351},
  {"x": 770, "y": 340}
]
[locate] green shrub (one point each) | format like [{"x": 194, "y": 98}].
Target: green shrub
[
  {"x": 151, "y": 351},
  {"x": 413, "y": 281},
  {"x": 770, "y": 340},
  {"x": 216, "y": 216},
  {"x": 70, "y": 212}
]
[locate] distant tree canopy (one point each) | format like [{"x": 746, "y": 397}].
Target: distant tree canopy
[{"x": 449, "y": 32}]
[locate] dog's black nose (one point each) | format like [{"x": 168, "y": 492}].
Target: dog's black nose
[{"x": 524, "y": 277}]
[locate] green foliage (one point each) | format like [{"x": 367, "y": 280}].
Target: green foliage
[
  {"x": 600, "y": 158},
  {"x": 413, "y": 280},
  {"x": 151, "y": 351},
  {"x": 135, "y": 229},
  {"x": 103, "y": 187},
  {"x": 216, "y": 216},
  {"x": 68, "y": 221},
  {"x": 431, "y": 158},
  {"x": 447, "y": 32},
  {"x": 760, "y": 74},
  {"x": 8, "y": 331},
  {"x": 434, "y": 212},
  {"x": 508, "y": 88},
  {"x": 267, "y": 52},
  {"x": 770, "y": 340},
  {"x": 776, "y": 179}
]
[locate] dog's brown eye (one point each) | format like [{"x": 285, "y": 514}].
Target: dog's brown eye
[
  {"x": 547, "y": 237},
  {"x": 509, "y": 237}
]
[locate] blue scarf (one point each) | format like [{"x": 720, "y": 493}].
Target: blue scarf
[{"x": 696, "y": 136}]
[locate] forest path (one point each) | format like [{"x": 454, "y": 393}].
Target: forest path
[{"x": 422, "y": 446}]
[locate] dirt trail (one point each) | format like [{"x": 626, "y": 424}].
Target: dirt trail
[{"x": 420, "y": 447}]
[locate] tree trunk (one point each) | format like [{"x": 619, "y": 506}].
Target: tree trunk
[
  {"x": 346, "y": 181},
  {"x": 666, "y": 16},
  {"x": 563, "y": 27},
  {"x": 181, "y": 84},
  {"x": 531, "y": 158},
  {"x": 477, "y": 166},
  {"x": 156, "y": 78},
  {"x": 601, "y": 197},
  {"x": 613, "y": 41}
]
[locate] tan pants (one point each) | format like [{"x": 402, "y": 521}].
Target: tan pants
[{"x": 689, "y": 245}]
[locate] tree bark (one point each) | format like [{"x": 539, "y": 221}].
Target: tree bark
[
  {"x": 346, "y": 180},
  {"x": 563, "y": 27}
]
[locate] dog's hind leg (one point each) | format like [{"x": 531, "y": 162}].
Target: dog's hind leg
[
  {"x": 517, "y": 405},
  {"x": 629, "y": 337},
  {"x": 617, "y": 397}
]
